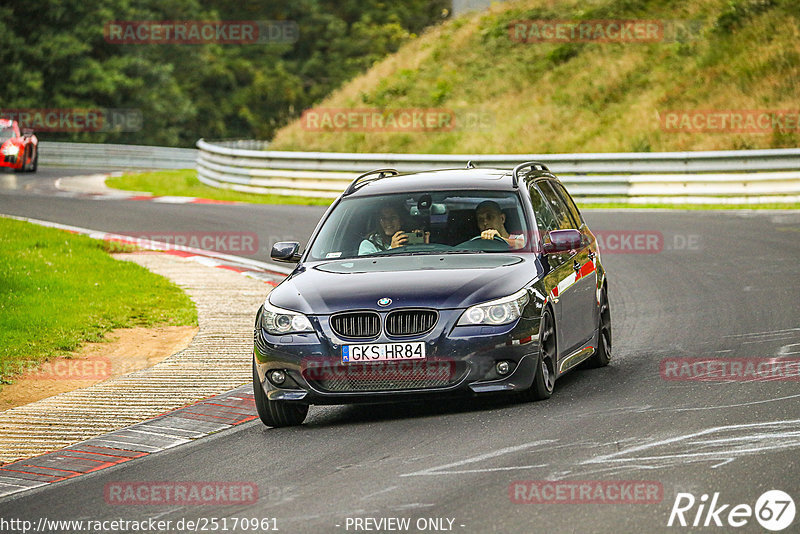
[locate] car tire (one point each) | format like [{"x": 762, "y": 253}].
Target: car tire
[
  {"x": 544, "y": 381},
  {"x": 602, "y": 355},
  {"x": 24, "y": 167},
  {"x": 276, "y": 413},
  {"x": 35, "y": 162}
]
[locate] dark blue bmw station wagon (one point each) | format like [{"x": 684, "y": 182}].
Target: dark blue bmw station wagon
[{"x": 449, "y": 282}]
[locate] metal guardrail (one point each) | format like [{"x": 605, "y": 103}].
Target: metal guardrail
[
  {"x": 736, "y": 176},
  {"x": 102, "y": 156},
  {"x": 743, "y": 176}
]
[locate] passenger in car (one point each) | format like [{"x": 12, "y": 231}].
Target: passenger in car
[
  {"x": 492, "y": 223},
  {"x": 388, "y": 232}
]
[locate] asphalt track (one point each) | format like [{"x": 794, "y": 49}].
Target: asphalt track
[{"x": 721, "y": 286}]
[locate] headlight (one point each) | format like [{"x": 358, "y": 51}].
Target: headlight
[
  {"x": 10, "y": 150},
  {"x": 496, "y": 312},
  {"x": 278, "y": 321}
]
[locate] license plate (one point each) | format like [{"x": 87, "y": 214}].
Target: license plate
[{"x": 383, "y": 352}]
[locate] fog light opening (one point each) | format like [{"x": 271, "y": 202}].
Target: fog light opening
[
  {"x": 503, "y": 367},
  {"x": 277, "y": 377}
]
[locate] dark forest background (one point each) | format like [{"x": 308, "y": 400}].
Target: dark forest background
[{"x": 53, "y": 54}]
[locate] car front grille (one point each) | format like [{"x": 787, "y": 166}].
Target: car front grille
[
  {"x": 356, "y": 324},
  {"x": 386, "y": 376},
  {"x": 410, "y": 322}
]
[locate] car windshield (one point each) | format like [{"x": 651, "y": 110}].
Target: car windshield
[
  {"x": 441, "y": 222},
  {"x": 6, "y": 133}
]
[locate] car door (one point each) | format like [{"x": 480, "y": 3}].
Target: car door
[
  {"x": 558, "y": 265},
  {"x": 577, "y": 288},
  {"x": 586, "y": 258}
]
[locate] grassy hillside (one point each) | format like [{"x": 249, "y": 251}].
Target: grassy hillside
[{"x": 580, "y": 97}]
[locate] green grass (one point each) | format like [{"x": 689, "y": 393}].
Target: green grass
[
  {"x": 184, "y": 183},
  {"x": 540, "y": 98},
  {"x": 58, "y": 290}
]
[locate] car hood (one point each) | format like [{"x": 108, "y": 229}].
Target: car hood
[{"x": 435, "y": 281}]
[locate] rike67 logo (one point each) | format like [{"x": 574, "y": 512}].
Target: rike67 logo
[{"x": 774, "y": 510}]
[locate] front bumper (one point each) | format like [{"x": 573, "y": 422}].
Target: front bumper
[
  {"x": 460, "y": 360},
  {"x": 13, "y": 162}
]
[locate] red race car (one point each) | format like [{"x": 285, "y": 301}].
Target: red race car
[{"x": 18, "y": 151}]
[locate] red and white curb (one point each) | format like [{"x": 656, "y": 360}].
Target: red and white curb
[
  {"x": 270, "y": 274},
  {"x": 169, "y": 430}
]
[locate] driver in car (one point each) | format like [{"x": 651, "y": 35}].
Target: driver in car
[{"x": 492, "y": 224}]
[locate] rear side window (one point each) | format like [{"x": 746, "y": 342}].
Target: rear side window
[
  {"x": 545, "y": 219},
  {"x": 571, "y": 207},
  {"x": 563, "y": 217}
]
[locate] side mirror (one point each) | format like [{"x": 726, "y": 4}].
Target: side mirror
[
  {"x": 286, "y": 251},
  {"x": 562, "y": 241}
]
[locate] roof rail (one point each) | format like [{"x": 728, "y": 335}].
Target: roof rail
[
  {"x": 535, "y": 166},
  {"x": 381, "y": 173}
]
